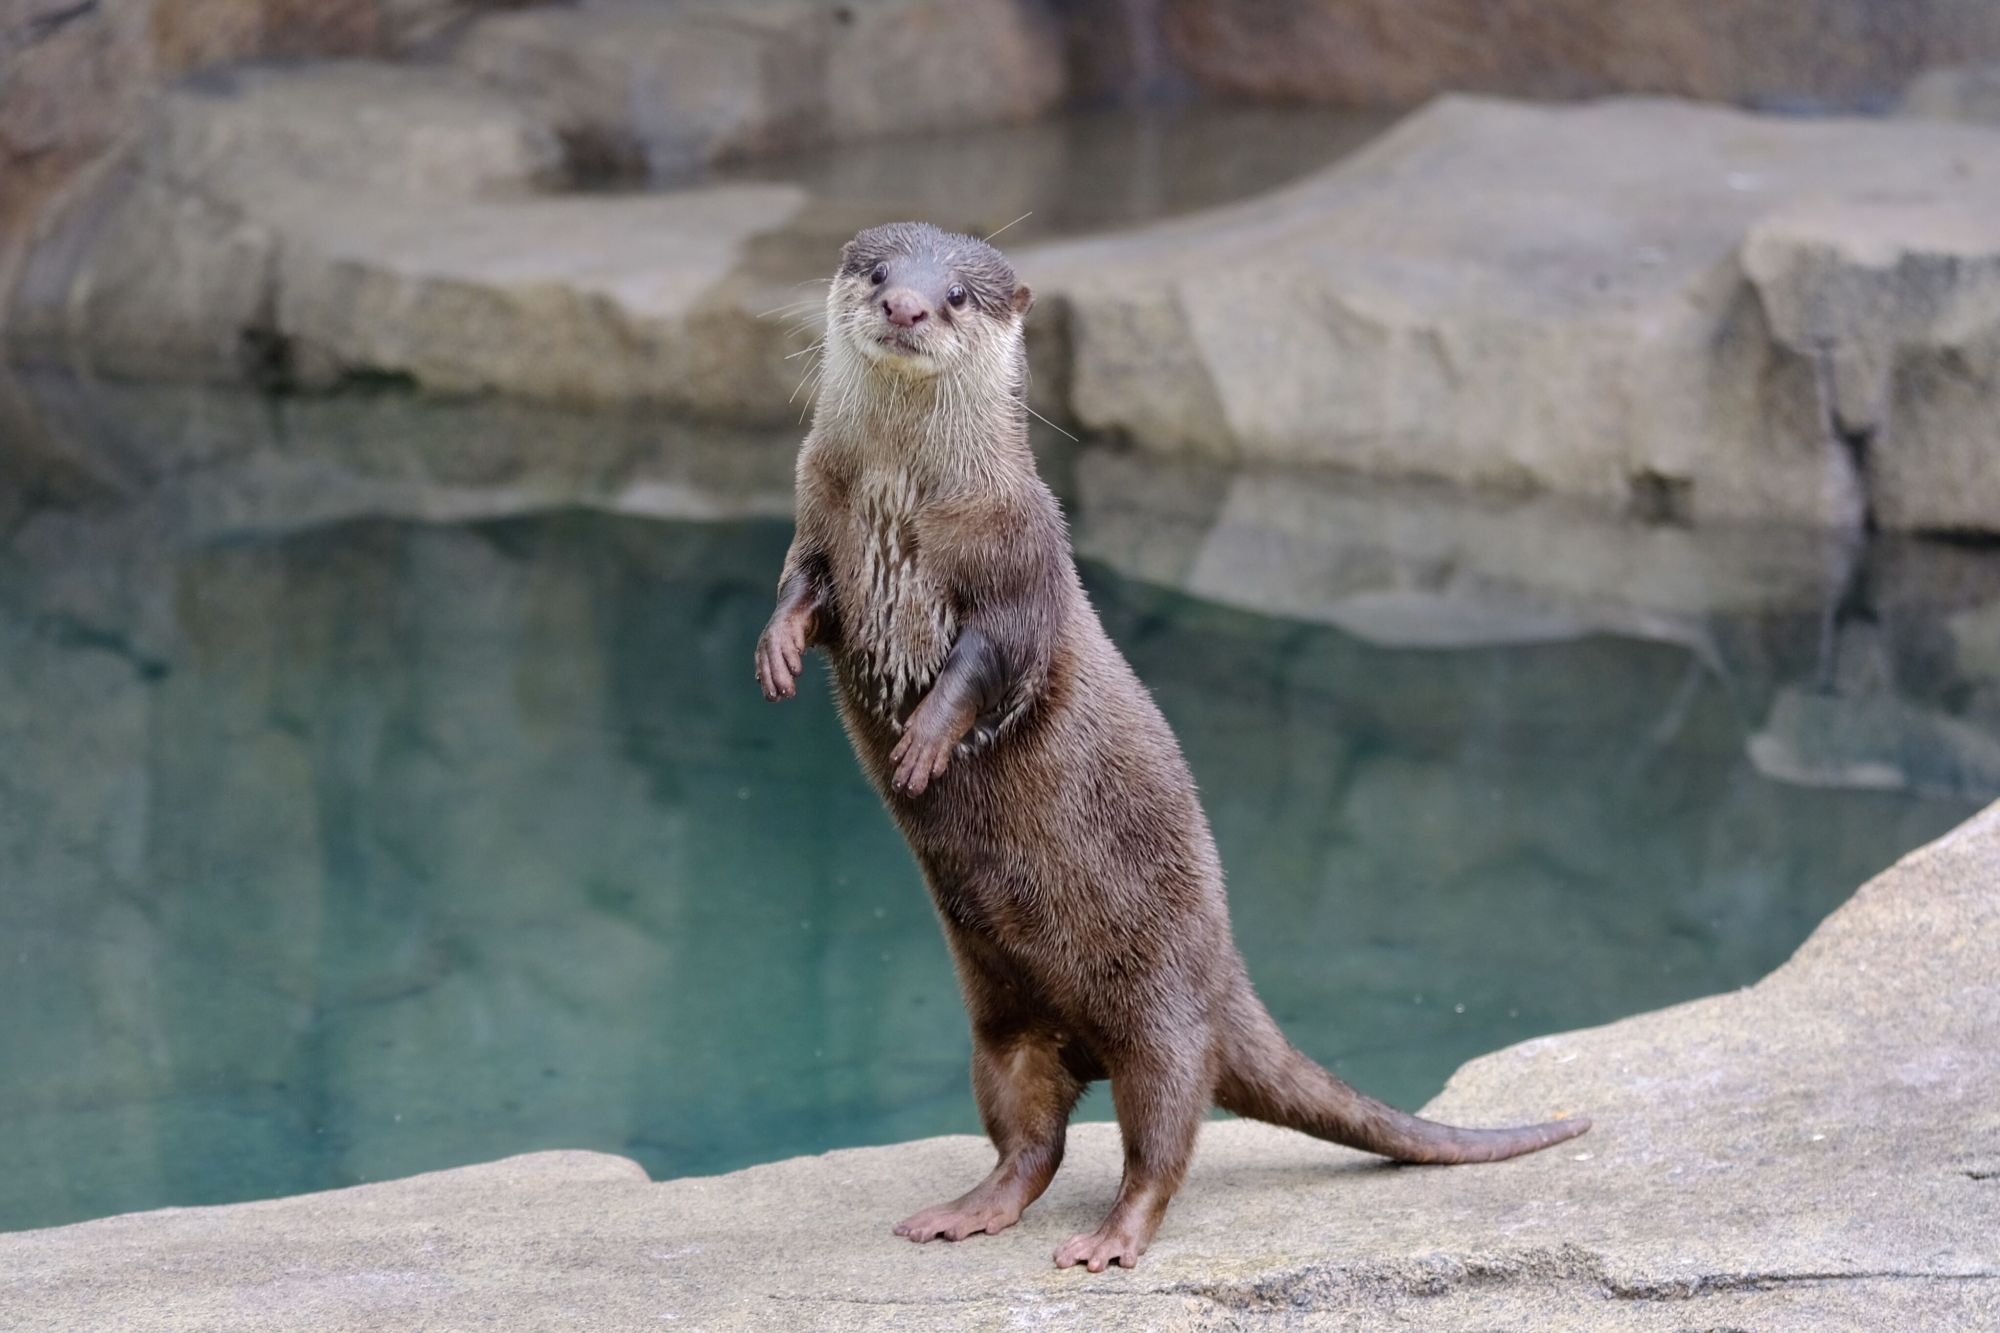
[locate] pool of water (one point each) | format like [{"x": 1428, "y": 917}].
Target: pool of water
[{"x": 341, "y": 841}]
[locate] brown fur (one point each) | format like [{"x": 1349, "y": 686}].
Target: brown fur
[{"x": 1042, "y": 792}]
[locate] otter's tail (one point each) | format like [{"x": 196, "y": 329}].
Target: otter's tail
[{"x": 1264, "y": 1078}]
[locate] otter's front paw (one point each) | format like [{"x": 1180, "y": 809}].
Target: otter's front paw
[
  {"x": 919, "y": 756},
  {"x": 781, "y": 652}
]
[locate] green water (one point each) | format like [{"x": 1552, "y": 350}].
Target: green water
[{"x": 342, "y": 852}]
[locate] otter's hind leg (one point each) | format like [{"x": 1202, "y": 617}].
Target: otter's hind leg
[
  {"x": 1025, "y": 1094},
  {"x": 1161, "y": 1094}
]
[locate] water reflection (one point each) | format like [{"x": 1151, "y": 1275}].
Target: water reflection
[{"x": 385, "y": 789}]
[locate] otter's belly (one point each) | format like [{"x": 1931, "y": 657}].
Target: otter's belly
[{"x": 897, "y": 619}]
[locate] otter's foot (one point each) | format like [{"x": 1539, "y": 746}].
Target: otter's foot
[
  {"x": 989, "y": 1210},
  {"x": 1116, "y": 1242}
]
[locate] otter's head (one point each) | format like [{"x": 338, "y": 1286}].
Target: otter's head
[{"x": 925, "y": 302}]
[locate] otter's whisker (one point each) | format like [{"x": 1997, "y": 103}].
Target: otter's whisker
[
  {"x": 1050, "y": 424},
  {"x": 1023, "y": 218}
]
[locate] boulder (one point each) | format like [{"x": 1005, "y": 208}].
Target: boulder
[
  {"x": 1607, "y": 301},
  {"x": 312, "y": 225},
  {"x": 1967, "y": 92},
  {"x": 657, "y": 89},
  {"x": 1792, "y": 53},
  {"x": 1812, "y": 1152},
  {"x": 580, "y": 299},
  {"x": 78, "y": 80},
  {"x": 1897, "y": 300},
  {"x": 349, "y": 125}
]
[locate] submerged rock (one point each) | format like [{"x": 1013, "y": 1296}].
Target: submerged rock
[{"x": 1812, "y": 1152}]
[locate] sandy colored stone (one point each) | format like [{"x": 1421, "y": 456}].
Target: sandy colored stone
[
  {"x": 577, "y": 300},
  {"x": 1966, "y": 92},
  {"x": 1814, "y": 1152},
  {"x": 1897, "y": 302},
  {"x": 1517, "y": 297},
  {"x": 350, "y": 125},
  {"x": 651, "y": 88},
  {"x": 265, "y": 233},
  {"x": 77, "y": 80}
]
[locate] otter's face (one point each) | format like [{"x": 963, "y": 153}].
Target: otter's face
[{"x": 919, "y": 300}]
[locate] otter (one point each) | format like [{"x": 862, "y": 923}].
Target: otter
[{"x": 1044, "y": 796}]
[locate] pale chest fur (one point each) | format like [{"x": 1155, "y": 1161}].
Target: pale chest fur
[{"x": 897, "y": 617}]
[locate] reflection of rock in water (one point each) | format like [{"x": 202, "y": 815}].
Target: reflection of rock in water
[
  {"x": 343, "y": 844},
  {"x": 1771, "y": 611}
]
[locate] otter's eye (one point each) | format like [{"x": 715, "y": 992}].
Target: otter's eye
[
  {"x": 956, "y": 295},
  {"x": 880, "y": 275}
]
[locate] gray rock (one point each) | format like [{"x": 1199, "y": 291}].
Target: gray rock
[
  {"x": 1964, "y": 92},
  {"x": 1813, "y": 1152},
  {"x": 584, "y": 299},
  {"x": 662, "y": 88},
  {"x": 149, "y": 280},
  {"x": 347, "y": 125},
  {"x": 1790, "y": 53},
  {"x": 1898, "y": 303},
  {"x": 1681, "y": 312},
  {"x": 194, "y": 263},
  {"x": 1563, "y": 298}
]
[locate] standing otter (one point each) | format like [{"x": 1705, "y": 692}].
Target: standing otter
[{"x": 1041, "y": 790}]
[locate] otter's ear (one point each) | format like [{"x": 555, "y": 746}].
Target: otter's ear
[
  {"x": 846, "y": 257},
  {"x": 1023, "y": 298}
]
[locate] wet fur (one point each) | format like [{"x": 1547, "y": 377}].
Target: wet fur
[{"x": 1043, "y": 794}]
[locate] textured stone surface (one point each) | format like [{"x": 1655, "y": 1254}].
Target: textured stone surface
[
  {"x": 1680, "y": 312},
  {"x": 1512, "y": 296},
  {"x": 579, "y": 300},
  {"x": 263, "y": 233},
  {"x": 1839, "y": 53},
  {"x": 1814, "y": 1152},
  {"x": 76, "y": 79},
  {"x": 1967, "y": 92},
  {"x": 1897, "y": 304},
  {"x": 657, "y": 88},
  {"x": 348, "y": 125}
]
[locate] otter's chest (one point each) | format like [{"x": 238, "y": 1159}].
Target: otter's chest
[{"x": 897, "y": 617}]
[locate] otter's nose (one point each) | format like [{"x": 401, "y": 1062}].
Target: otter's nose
[{"x": 905, "y": 308}]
